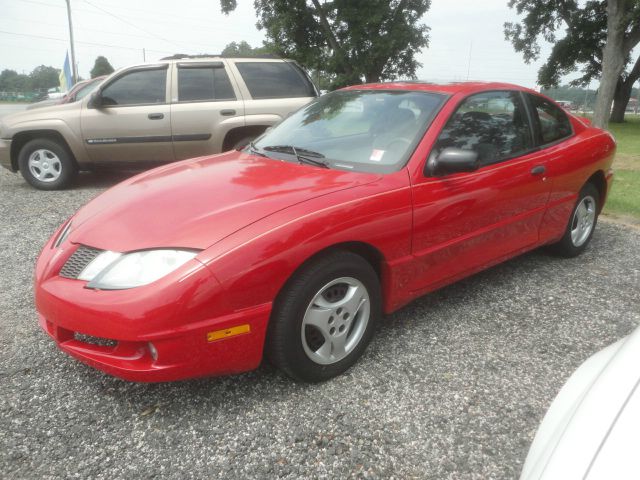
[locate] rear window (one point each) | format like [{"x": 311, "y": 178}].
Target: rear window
[
  {"x": 553, "y": 122},
  {"x": 275, "y": 80},
  {"x": 202, "y": 84}
]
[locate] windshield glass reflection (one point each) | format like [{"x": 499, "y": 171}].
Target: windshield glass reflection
[{"x": 360, "y": 130}]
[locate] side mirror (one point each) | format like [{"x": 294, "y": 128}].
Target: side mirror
[
  {"x": 452, "y": 160},
  {"x": 95, "y": 100}
]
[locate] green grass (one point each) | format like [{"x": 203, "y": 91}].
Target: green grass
[
  {"x": 624, "y": 199},
  {"x": 625, "y": 195},
  {"x": 628, "y": 136}
]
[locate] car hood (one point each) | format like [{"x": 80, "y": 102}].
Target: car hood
[{"x": 197, "y": 202}]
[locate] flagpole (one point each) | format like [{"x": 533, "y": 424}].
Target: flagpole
[{"x": 74, "y": 68}]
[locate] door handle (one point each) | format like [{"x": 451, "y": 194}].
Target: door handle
[
  {"x": 538, "y": 170},
  {"x": 155, "y": 116},
  {"x": 228, "y": 112}
]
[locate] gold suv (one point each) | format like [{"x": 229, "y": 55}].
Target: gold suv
[{"x": 155, "y": 113}]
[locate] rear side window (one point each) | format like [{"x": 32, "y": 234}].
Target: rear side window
[
  {"x": 493, "y": 124},
  {"x": 275, "y": 80},
  {"x": 553, "y": 123},
  {"x": 201, "y": 84},
  {"x": 142, "y": 87}
]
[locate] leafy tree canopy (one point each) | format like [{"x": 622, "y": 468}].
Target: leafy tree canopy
[
  {"x": 243, "y": 49},
  {"x": 352, "y": 40},
  {"x": 44, "y": 77},
  {"x": 579, "y": 33},
  {"x": 101, "y": 67}
]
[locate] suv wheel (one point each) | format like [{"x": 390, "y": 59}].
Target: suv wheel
[{"x": 46, "y": 164}]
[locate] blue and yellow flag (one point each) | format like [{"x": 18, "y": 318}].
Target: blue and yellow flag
[{"x": 66, "y": 81}]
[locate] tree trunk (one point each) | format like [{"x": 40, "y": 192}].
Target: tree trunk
[
  {"x": 338, "y": 52},
  {"x": 612, "y": 61},
  {"x": 623, "y": 93},
  {"x": 620, "y": 101}
]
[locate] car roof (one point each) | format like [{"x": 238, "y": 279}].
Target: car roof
[{"x": 464, "y": 88}]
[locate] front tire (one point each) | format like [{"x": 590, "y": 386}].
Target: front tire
[
  {"x": 582, "y": 223},
  {"x": 46, "y": 164},
  {"x": 325, "y": 317}
]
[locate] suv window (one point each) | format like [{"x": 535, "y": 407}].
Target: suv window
[
  {"x": 494, "y": 124},
  {"x": 275, "y": 80},
  {"x": 553, "y": 123},
  {"x": 204, "y": 83},
  {"x": 140, "y": 87}
]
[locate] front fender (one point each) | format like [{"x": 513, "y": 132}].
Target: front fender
[
  {"x": 70, "y": 136},
  {"x": 254, "y": 263}
]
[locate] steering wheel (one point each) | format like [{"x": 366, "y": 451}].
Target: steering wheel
[{"x": 401, "y": 141}]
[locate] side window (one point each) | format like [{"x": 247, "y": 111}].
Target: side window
[
  {"x": 553, "y": 123},
  {"x": 275, "y": 80},
  {"x": 494, "y": 124},
  {"x": 206, "y": 83},
  {"x": 142, "y": 87}
]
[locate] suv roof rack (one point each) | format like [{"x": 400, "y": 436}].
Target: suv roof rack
[{"x": 182, "y": 56}]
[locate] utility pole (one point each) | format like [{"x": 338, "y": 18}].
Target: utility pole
[
  {"x": 74, "y": 68},
  {"x": 144, "y": 55},
  {"x": 469, "y": 64}
]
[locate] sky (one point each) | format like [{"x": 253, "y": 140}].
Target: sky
[{"x": 466, "y": 37}]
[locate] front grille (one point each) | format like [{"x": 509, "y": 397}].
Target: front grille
[{"x": 77, "y": 262}]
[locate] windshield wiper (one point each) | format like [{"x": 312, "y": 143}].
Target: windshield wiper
[
  {"x": 254, "y": 150},
  {"x": 302, "y": 154}
]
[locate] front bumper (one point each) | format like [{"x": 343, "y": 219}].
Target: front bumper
[
  {"x": 156, "y": 333},
  {"x": 5, "y": 154}
]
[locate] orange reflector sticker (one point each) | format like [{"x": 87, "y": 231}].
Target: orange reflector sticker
[{"x": 228, "y": 332}]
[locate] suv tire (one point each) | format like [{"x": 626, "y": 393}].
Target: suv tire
[{"x": 46, "y": 164}]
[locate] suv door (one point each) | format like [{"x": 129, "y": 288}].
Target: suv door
[
  {"x": 133, "y": 121},
  {"x": 466, "y": 221},
  {"x": 205, "y": 105}
]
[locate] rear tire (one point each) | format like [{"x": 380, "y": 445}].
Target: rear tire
[
  {"x": 325, "y": 317},
  {"x": 46, "y": 164},
  {"x": 581, "y": 225}
]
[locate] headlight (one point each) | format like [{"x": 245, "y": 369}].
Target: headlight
[{"x": 116, "y": 271}]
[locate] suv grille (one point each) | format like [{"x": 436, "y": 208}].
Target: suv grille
[{"x": 78, "y": 261}]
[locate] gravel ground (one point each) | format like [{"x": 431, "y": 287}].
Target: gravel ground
[{"x": 453, "y": 385}]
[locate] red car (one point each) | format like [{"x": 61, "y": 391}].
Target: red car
[{"x": 360, "y": 202}]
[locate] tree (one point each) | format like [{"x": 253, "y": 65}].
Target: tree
[
  {"x": 623, "y": 34},
  {"x": 243, "y": 49},
  {"x": 586, "y": 30},
  {"x": 352, "y": 40},
  {"x": 12, "y": 81},
  {"x": 44, "y": 77},
  {"x": 101, "y": 67}
]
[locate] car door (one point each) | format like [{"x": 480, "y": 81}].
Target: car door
[
  {"x": 130, "y": 119},
  {"x": 205, "y": 106},
  {"x": 467, "y": 221}
]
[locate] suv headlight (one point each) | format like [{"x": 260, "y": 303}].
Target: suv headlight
[{"x": 116, "y": 271}]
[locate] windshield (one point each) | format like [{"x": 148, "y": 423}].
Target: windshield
[
  {"x": 86, "y": 89},
  {"x": 360, "y": 130}
]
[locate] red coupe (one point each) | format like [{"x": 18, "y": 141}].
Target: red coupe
[{"x": 293, "y": 248}]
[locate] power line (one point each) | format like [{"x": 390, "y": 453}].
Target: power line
[
  {"x": 84, "y": 43},
  {"x": 93, "y": 30},
  {"x": 132, "y": 24}
]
